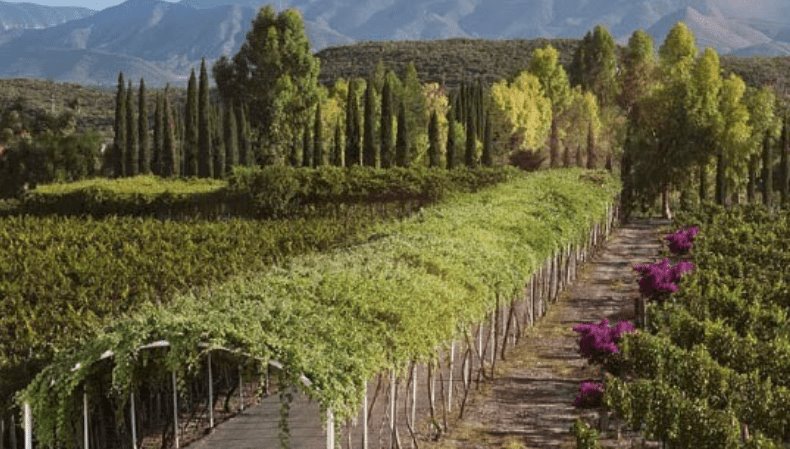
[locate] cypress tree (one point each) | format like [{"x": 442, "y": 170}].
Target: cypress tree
[
  {"x": 231, "y": 138},
  {"x": 191, "y": 128},
  {"x": 205, "y": 166},
  {"x": 402, "y": 156},
  {"x": 387, "y": 149},
  {"x": 119, "y": 143},
  {"x": 159, "y": 130},
  {"x": 471, "y": 142},
  {"x": 353, "y": 156},
  {"x": 768, "y": 171},
  {"x": 307, "y": 147},
  {"x": 218, "y": 142},
  {"x": 143, "y": 125},
  {"x": 169, "y": 156},
  {"x": 784, "y": 169},
  {"x": 488, "y": 144},
  {"x": 245, "y": 146},
  {"x": 337, "y": 150},
  {"x": 434, "y": 151},
  {"x": 591, "y": 150},
  {"x": 318, "y": 138},
  {"x": 451, "y": 144},
  {"x": 370, "y": 155},
  {"x": 132, "y": 150}
]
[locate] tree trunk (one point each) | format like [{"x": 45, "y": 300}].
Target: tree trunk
[
  {"x": 666, "y": 211},
  {"x": 721, "y": 183},
  {"x": 554, "y": 145},
  {"x": 751, "y": 187}
]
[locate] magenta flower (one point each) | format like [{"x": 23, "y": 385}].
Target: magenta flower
[
  {"x": 660, "y": 279},
  {"x": 590, "y": 395},
  {"x": 599, "y": 341},
  {"x": 681, "y": 241}
]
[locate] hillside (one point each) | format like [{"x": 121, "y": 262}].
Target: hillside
[{"x": 16, "y": 16}]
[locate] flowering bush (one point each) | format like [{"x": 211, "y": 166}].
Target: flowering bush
[
  {"x": 660, "y": 279},
  {"x": 590, "y": 395},
  {"x": 681, "y": 241},
  {"x": 599, "y": 341}
]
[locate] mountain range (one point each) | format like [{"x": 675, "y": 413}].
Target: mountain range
[{"x": 161, "y": 40}]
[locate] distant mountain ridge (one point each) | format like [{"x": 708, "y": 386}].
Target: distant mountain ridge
[
  {"x": 17, "y": 16},
  {"x": 160, "y": 40}
]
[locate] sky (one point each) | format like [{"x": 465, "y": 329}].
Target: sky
[{"x": 92, "y": 4}]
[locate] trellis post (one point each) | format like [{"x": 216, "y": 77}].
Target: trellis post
[
  {"x": 27, "y": 422},
  {"x": 133, "y": 420},
  {"x": 175, "y": 411},
  {"x": 330, "y": 429},
  {"x": 241, "y": 389},
  {"x": 450, "y": 381},
  {"x": 210, "y": 394},
  {"x": 413, "y": 394},
  {"x": 85, "y": 435},
  {"x": 365, "y": 419}
]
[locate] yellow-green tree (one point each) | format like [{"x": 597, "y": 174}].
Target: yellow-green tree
[
  {"x": 520, "y": 113},
  {"x": 554, "y": 81}
]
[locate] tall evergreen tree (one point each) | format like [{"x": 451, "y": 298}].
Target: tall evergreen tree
[
  {"x": 157, "y": 157},
  {"x": 337, "y": 149},
  {"x": 451, "y": 146},
  {"x": 592, "y": 157},
  {"x": 595, "y": 65},
  {"x": 488, "y": 144},
  {"x": 119, "y": 143},
  {"x": 205, "y": 165},
  {"x": 546, "y": 67},
  {"x": 387, "y": 150},
  {"x": 245, "y": 145},
  {"x": 169, "y": 151},
  {"x": 318, "y": 138},
  {"x": 369, "y": 151},
  {"x": 143, "y": 125},
  {"x": 132, "y": 149},
  {"x": 295, "y": 156},
  {"x": 402, "y": 150},
  {"x": 218, "y": 142},
  {"x": 434, "y": 141},
  {"x": 768, "y": 171},
  {"x": 784, "y": 169},
  {"x": 353, "y": 153},
  {"x": 231, "y": 138},
  {"x": 470, "y": 157},
  {"x": 307, "y": 147},
  {"x": 191, "y": 128}
]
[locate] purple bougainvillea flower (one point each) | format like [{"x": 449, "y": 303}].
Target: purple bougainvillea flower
[
  {"x": 661, "y": 279},
  {"x": 682, "y": 240},
  {"x": 599, "y": 341},
  {"x": 590, "y": 394}
]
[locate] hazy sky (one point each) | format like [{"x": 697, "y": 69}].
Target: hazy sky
[{"x": 92, "y": 4}]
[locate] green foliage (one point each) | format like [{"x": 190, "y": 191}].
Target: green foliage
[
  {"x": 595, "y": 65},
  {"x": 191, "y": 128},
  {"x": 586, "y": 436},
  {"x": 132, "y": 166},
  {"x": 386, "y": 129},
  {"x": 230, "y": 138},
  {"x": 204, "y": 153},
  {"x": 342, "y": 316},
  {"x": 402, "y": 141},
  {"x": 118, "y": 156},
  {"x": 143, "y": 127},
  {"x": 319, "y": 158},
  {"x": 370, "y": 156}
]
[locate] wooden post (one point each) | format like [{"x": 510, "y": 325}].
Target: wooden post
[
  {"x": 27, "y": 422},
  {"x": 450, "y": 381},
  {"x": 175, "y": 411},
  {"x": 392, "y": 405},
  {"x": 210, "y": 394},
  {"x": 85, "y": 434},
  {"x": 365, "y": 419},
  {"x": 330, "y": 429},
  {"x": 241, "y": 389},
  {"x": 133, "y": 415},
  {"x": 414, "y": 394},
  {"x": 640, "y": 306}
]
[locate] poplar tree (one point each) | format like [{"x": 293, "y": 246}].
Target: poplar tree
[
  {"x": 169, "y": 155},
  {"x": 488, "y": 144},
  {"x": 369, "y": 152},
  {"x": 231, "y": 138},
  {"x": 434, "y": 141},
  {"x": 594, "y": 65},
  {"x": 768, "y": 172},
  {"x": 546, "y": 67},
  {"x": 218, "y": 142},
  {"x": 451, "y": 150},
  {"x": 307, "y": 147},
  {"x": 471, "y": 142},
  {"x": 705, "y": 117},
  {"x": 191, "y": 128},
  {"x": 337, "y": 149},
  {"x": 119, "y": 143},
  {"x": 352, "y": 156},
  {"x": 132, "y": 149},
  {"x": 402, "y": 156},
  {"x": 387, "y": 150},
  {"x": 159, "y": 130},
  {"x": 205, "y": 166},
  {"x": 245, "y": 147},
  {"x": 142, "y": 122},
  {"x": 784, "y": 169},
  {"x": 318, "y": 138}
]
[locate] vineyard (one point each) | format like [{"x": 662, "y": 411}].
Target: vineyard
[
  {"x": 382, "y": 305},
  {"x": 710, "y": 369}
]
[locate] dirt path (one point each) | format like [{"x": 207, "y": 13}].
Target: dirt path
[{"x": 530, "y": 402}]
